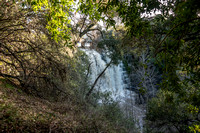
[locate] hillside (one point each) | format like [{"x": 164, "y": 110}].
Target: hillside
[{"x": 22, "y": 113}]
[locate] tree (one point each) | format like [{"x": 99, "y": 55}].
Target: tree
[
  {"x": 84, "y": 29},
  {"x": 167, "y": 113},
  {"x": 57, "y": 15},
  {"x": 30, "y": 58},
  {"x": 144, "y": 78}
]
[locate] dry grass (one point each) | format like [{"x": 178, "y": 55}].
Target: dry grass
[{"x": 20, "y": 112}]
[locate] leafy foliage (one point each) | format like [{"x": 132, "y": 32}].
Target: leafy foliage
[
  {"x": 31, "y": 59},
  {"x": 56, "y": 14},
  {"x": 167, "y": 113},
  {"x": 112, "y": 45}
]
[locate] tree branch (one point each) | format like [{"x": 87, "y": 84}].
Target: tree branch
[
  {"x": 95, "y": 82},
  {"x": 159, "y": 45}
]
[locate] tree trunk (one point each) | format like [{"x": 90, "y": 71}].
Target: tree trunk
[{"x": 95, "y": 82}]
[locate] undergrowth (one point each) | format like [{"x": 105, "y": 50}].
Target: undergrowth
[{"x": 20, "y": 112}]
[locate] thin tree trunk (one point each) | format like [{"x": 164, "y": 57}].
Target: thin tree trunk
[{"x": 95, "y": 82}]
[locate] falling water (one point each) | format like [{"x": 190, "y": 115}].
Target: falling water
[{"x": 114, "y": 80}]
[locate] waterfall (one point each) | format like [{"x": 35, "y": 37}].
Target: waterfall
[
  {"x": 116, "y": 81},
  {"x": 112, "y": 79}
]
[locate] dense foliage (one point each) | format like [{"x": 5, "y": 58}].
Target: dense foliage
[
  {"x": 30, "y": 57},
  {"x": 174, "y": 34}
]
